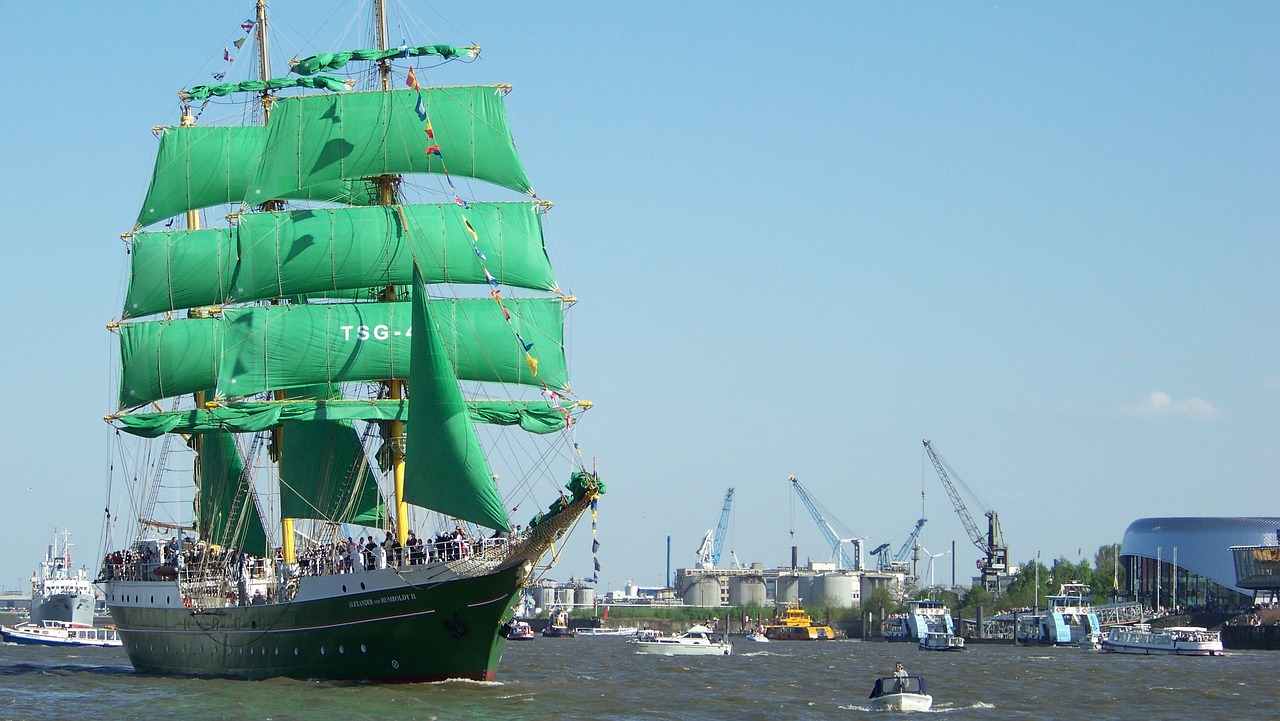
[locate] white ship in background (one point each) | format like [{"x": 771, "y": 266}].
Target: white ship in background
[{"x": 59, "y": 592}]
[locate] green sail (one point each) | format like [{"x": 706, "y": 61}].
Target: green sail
[
  {"x": 323, "y": 470},
  {"x": 538, "y": 416},
  {"x": 445, "y": 469},
  {"x": 200, "y": 167},
  {"x": 225, "y": 511},
  {"x": 244, "y": 351},
  {"x": 171, "y": 270},
  {"x": 336, "y": 250},
  {"x": 316, "y": 139},
  {"x": 203, "y": 92},
  {"x": 336, "y": 61}
]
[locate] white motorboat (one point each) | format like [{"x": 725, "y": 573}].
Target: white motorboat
[
  {"x": 55, "y": 633},
  {"x": 900, "y": 693},
  {"x": 758, "y": 636},
  {"x": 941, "y": 641},
  {"x": 1173, "y": 641},
  {"x": 697, "y": 641},
  {"x": 619, "y": 631}
]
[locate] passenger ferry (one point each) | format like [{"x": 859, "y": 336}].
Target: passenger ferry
[
  {"x": 922, "y": 618},
  {"x": 57, "y": 633},
  {"x": 796, "y": 625},
  {"x": 1068, "y": 620},
  {"x": 1173, "y": 641}
]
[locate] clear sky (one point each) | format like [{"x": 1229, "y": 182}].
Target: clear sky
[{"x": 804, "y": 237}]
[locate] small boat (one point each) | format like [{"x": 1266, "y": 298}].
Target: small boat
[
  {"x": 618, "y": 631},
  {"x": 518, "y": 630},
  {"x": 1069, "y": 619},
  {"x": 559, "y": 625},
  {"x": 940, "y": 641},
  {"x": 697, "y": 641},
  {"x": 758, "y": 636},
  {"x": 900, "y": 693},
  {"x": 796, "y": 625},
  {"x": 56, "y": 633},
  {"x": 1173, "y": 641}
]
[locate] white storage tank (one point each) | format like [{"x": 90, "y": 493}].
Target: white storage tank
[
  {"x": 831, "y": 589},
  {"x": 703, "y": 592},
  {"x": 564, "y": 597},
  {"x": 546, "y": 597},
  {"x": 787, "y": 590},
  {"x": 584, "y": 597},
  {"x": 747, "y": 591}
]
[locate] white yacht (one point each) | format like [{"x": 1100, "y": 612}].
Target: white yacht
[
  {"x": 900, "y": 693},
  {"x": 56, "y": 633},
  {"x": 941, "y": 641},
  {"x": 697, "y": 641}
]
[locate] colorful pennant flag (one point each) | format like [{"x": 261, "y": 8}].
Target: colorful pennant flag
[
  {"x": 247, "y": 25},
  {"x": 226, "y": 54},
  {"x": 404, "y": 48},
  {"x": 239, "y": 43},
  {"x": 412, "y": 80},
  {"x": 474, "y": 237},
  {"x": 430, "y": 132},
  {"x": 595, "y": 546},
  {"x": 434, "y": 150},
  {"x": 527, "y": 346},
  {"x": 528, "y": 359},
  {"x": 491, "y": 280},
  {"x": 219, "y": 76},
  {"x": 420, "y": 108},
  {"x": 461, "y": 202}
]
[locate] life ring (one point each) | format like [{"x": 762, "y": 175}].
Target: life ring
[{"x": 186, "y": 602}]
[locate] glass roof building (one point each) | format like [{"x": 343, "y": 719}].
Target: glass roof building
[{"x": 1188, "y": 562}]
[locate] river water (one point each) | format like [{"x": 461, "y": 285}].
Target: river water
[{"x": 601, "y": 678}]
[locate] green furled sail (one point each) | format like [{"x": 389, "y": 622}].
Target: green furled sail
[
  {"x": 225, "y": 511},
  {"x": 248, "y": 350},
  {"x": 200, "y": 167},
  {"x": 445, "y": 469},
  {"x": 315, "y": 139},
  {"x": 328, "y": 250},
  {"x": 336, "y": 61},
  {"x": 204, "y": 92},
  {"x": 323, "y": 470},
  {"x": 538, "y": 416}
]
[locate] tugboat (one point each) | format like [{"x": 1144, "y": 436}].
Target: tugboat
[{"x": 559, "y": 625}]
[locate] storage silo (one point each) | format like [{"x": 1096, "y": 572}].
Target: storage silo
[
  {"x": 584, "y": 597},
  {"x": 564, "y": 597},
  {"x": 546, "y": 597},
  {"x": 703, "y": 592},
  {"x": 832, "y": 589},
  {"x": 747, "y": 591},
  {"x": 787, "y": 589}
]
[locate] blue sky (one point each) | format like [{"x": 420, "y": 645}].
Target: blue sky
[{"x": 804, "y": 237}]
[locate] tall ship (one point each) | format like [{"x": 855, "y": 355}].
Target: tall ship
[
  {"x": 922, "y": 617},
  {"x": 60, "y": 593},
  {"x": 342, "y": 374}
]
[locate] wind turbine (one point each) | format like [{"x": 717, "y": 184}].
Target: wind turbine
[{"x": 931, "y": 557}]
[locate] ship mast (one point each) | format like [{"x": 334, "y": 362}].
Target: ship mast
[
  {"x": 288, "y": 550},
  {"x": 395, "y": 387}
]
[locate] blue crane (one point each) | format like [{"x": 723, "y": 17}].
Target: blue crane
[
  {"x": 713, "y": 542},
  {"x": 722, "y": 528},
  {"x": 883, "y": 560},
  {"x": 824, "y": 525}
]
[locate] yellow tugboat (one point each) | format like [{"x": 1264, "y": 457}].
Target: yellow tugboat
[{"x": 796, "y": 625}]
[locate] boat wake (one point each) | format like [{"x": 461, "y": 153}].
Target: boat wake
[{"x": 32, "y": 669}]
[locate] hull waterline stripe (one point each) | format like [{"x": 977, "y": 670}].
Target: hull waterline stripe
[
  {"x": 291, "y": 629},
  {"x": 495, "y": 599}
]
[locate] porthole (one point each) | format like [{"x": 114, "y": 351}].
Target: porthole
[
  {"x": 168, "y": 599},
  {"x": 277, "y": 650},
  {"x": 322, "y": 650},
  {"x": 295, "y": 650},
  {"x": 362, "y": 585},
  {"x": 341, "y": 650},
  {"x": 344, "y": 588},
  {"x": 363, "y": 649}
]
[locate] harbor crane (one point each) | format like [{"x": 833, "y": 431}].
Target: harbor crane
[
  {"x": 713, "y": 543},
  {"x": 898, "y": 561},
  {"x": 837, "y": 543},
  {"x": 992, "y": 544}
]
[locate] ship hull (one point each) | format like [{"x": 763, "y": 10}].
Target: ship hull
[
  {"x": 404, "y": 634},
  {"x": 73, "y": 608}
]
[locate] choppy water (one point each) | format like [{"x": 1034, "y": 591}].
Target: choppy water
[{"x": 600, "y": 678}]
